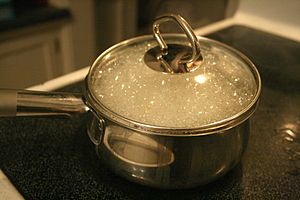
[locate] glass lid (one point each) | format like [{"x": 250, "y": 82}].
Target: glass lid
[{"x": 219, "y": 85}]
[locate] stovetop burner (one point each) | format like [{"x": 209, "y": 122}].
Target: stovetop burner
[{"x": 54, "y": 159}]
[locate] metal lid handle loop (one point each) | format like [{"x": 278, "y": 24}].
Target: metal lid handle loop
[{"x": 196, "y": 54}]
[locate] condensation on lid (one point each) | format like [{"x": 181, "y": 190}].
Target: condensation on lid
[{"x": 220, "y": 88}]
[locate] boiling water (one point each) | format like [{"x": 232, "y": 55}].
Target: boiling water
[{"x": 220, "y": 88}]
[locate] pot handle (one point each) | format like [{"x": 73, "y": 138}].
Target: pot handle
[
  {"x": 96, "y": 130},
  {"x": 37, "y": 103}
]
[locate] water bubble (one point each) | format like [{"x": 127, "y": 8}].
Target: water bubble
[{"x": 290, "y": 139}]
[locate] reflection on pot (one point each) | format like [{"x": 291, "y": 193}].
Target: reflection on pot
[
  {"x": 136, "y": 149},
  {"x": 169, "y": 162}
]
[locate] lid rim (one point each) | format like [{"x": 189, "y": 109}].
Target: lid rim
[
  {"x": 208, "y": 129},
  {"x": 211, "y": 128}
]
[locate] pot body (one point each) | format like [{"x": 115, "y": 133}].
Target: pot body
[{"x": 168, "y": 161}]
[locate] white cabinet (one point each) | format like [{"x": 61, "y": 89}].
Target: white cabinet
[{"x": 33, "y": 55}]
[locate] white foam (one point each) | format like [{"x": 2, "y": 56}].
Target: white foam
[{"x": 220, "y": 88}]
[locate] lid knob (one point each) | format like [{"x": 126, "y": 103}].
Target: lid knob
[{"x": 174, "y": 58}]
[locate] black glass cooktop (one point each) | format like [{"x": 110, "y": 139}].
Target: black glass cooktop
[{"x": 52, "y": 158}]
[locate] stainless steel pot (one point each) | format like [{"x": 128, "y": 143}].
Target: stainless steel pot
[{"x": 173, "y": 115}]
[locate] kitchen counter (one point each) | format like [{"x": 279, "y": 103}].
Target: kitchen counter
[
  {"x": 53, "y": 158},
  {"x": 26, "y": 17}
]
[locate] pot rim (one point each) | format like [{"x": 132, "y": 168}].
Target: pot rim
[{"x": 103, "y": 112}]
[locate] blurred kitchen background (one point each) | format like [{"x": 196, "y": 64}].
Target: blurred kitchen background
[{"x": 44, "y": 39}]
